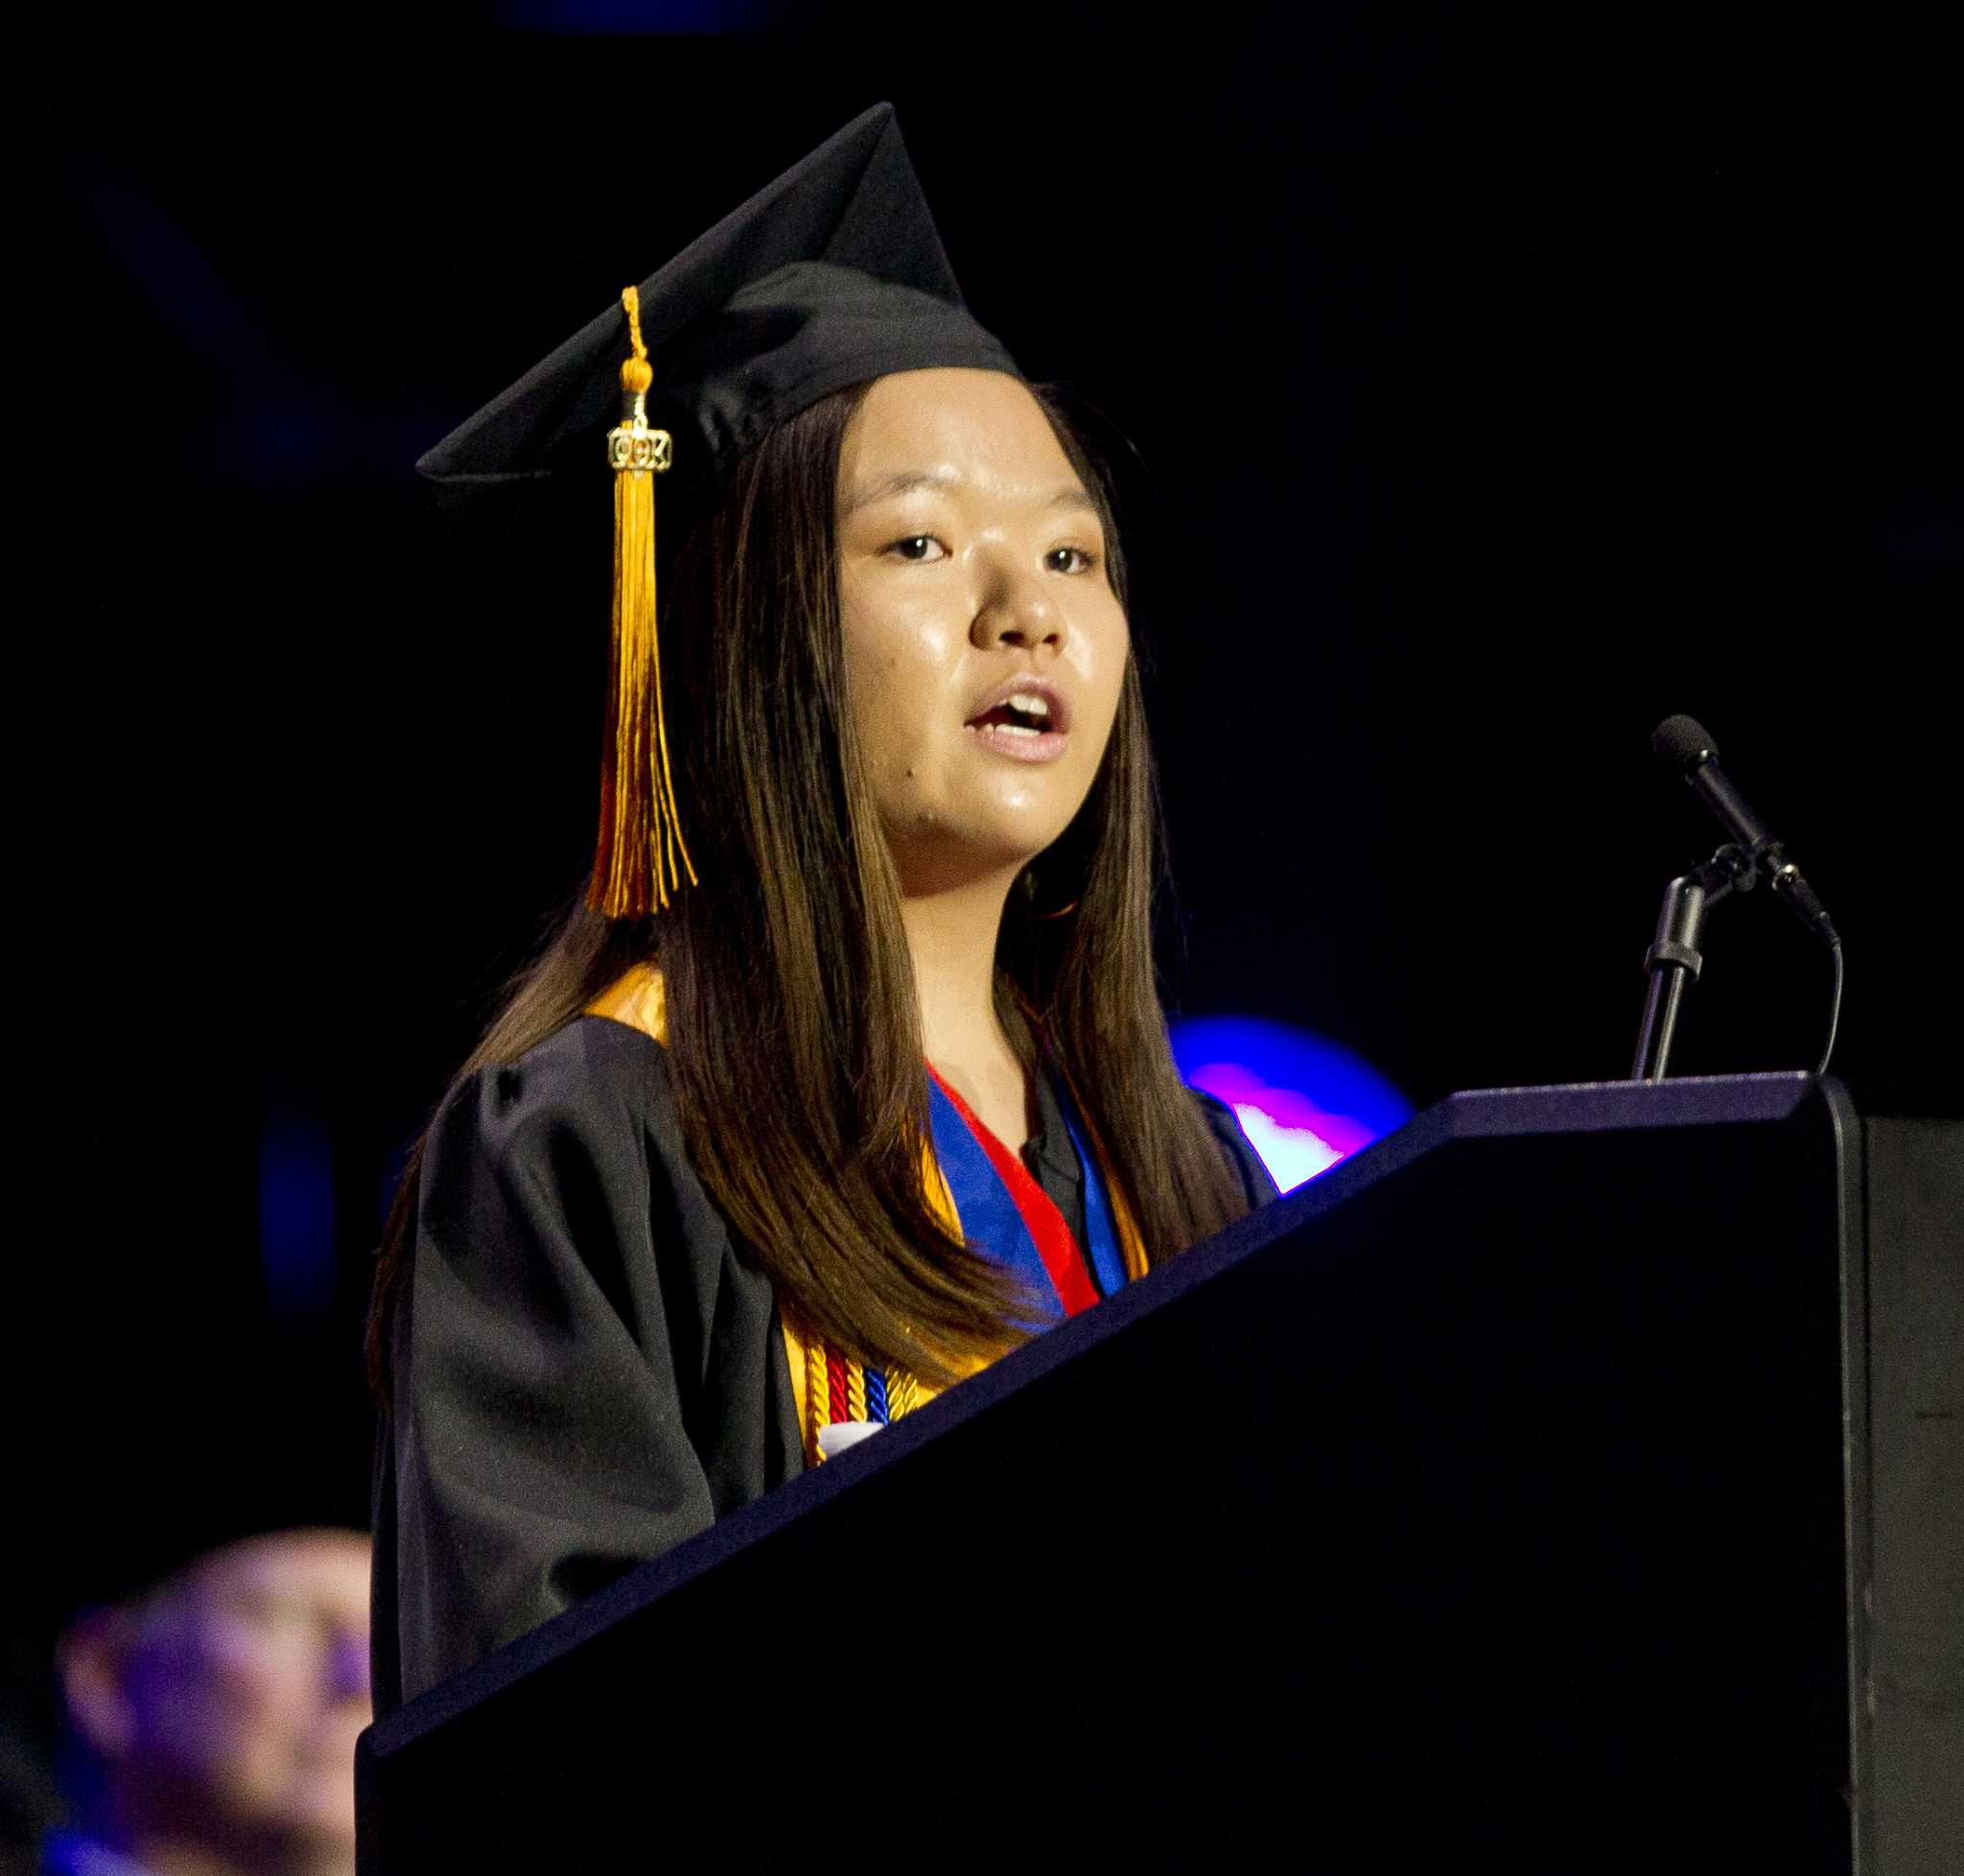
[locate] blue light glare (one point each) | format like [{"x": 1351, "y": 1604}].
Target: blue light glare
[
  {"x": 296, "y": 1213},
  {"x": 1304, "y": 1103},
  {"x": 692, "y": 18}
]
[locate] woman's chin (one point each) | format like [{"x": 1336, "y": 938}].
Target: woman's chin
[{"x": 944, "y": 861}]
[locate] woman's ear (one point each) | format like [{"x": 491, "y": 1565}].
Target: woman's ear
[{"x": 93, "y": 1659}]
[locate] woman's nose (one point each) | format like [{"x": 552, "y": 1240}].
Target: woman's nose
[{"x": 1016, "y": 614}]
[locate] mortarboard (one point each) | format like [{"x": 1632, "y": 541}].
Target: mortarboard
[{"x": 832, "y": 275}]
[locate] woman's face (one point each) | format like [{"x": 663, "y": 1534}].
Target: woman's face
[{"x": 985, "y": 647}]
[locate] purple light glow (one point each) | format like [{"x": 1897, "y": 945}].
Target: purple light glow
[
  {"x": 1296, "y": 1139},
  {"x": 1304, "y": 1103}
]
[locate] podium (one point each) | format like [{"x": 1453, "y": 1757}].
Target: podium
[{"x": 1504, "y": 1491}]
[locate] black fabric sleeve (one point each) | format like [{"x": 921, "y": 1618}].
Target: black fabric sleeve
[
  {"x": 539, "y": 1440},
  {"x": 1254, "y": 1177}
]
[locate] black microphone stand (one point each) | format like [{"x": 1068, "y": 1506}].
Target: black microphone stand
[{"x": 1673, "y": 960}]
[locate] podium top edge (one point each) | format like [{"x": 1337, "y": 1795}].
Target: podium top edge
[{"x": 1591, "y": 1106}]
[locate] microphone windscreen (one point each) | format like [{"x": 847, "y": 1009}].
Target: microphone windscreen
[{"x": 1682, "y": 743}]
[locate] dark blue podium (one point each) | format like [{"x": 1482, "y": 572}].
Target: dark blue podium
[{"x": 1501, "y": 1494}]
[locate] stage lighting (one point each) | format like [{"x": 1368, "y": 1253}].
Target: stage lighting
[{"x": 1303, "y": 1102}]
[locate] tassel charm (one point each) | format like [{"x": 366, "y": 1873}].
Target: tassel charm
[{"x": 642, "y": 859}]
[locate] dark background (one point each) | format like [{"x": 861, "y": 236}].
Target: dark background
[{"x": 1497, "y": 387}]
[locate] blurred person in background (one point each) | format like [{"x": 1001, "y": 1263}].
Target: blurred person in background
[{"x": 214, "y": 1717}]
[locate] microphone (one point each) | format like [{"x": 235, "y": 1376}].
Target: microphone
[{"x": 1684, "y": 744}]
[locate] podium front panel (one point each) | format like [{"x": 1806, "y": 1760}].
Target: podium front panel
[{"x": 1499, "y": 1493}]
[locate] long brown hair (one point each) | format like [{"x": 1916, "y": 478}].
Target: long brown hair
[{"x": 794, "y": 1038}]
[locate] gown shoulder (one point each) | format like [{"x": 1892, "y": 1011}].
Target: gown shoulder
[{"x": 586, "y": 1370}]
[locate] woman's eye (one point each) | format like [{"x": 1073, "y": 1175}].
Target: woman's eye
[
  {"x": 1070, "y": 560},
  {"x": 918, "y": 547}
]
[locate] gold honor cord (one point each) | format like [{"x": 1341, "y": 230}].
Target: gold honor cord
[{"x": 642, "y": 858}]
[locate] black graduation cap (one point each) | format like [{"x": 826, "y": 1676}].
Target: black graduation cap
[{"x": 829, "y": 277}]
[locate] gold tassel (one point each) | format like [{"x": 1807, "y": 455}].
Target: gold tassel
[{"x": 642, "y": 858}]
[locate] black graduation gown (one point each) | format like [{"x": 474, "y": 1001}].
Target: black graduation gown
[{"x": 587, "y": 1370}]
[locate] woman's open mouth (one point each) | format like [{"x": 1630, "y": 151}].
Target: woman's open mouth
[{"x": 1025, "y": 718}]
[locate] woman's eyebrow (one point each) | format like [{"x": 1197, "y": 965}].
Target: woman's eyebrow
[
  {"x": 908, "y": 482},
  {"x": 905, "y": 483}
]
